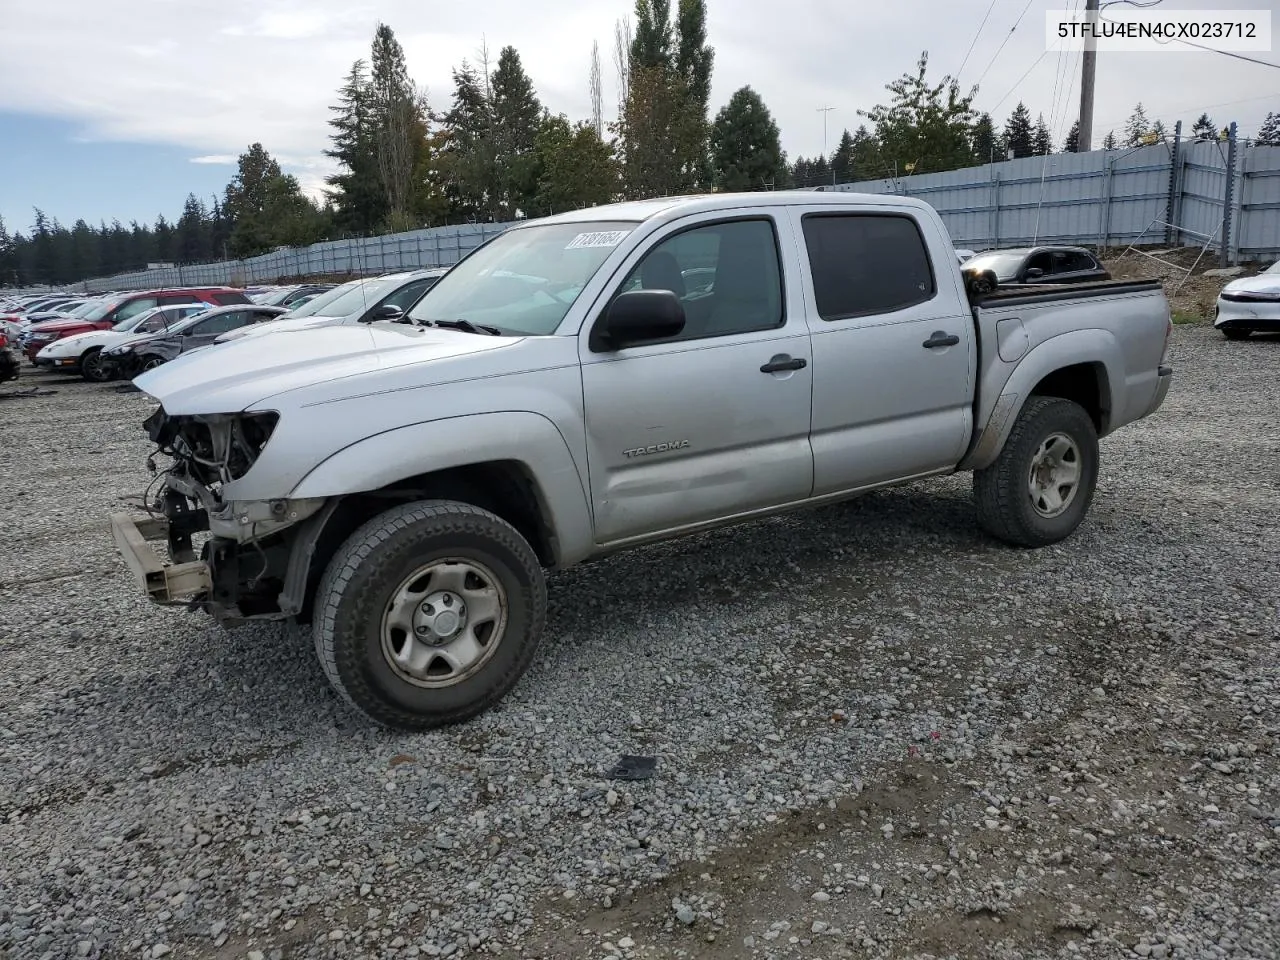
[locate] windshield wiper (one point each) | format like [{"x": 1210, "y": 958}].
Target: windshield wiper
[{"x": 465, "y": 325}]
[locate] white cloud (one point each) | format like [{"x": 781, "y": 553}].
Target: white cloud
[
  {"x": 213, "y": 76},
  {"x": 216, "y": 158}
]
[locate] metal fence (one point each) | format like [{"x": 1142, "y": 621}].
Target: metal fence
[
  {"x": 1175, "y": 193},
  {"x": 432, "y": 247}
]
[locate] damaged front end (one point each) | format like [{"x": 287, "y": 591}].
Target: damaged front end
[{"x": 235, "y": 559}]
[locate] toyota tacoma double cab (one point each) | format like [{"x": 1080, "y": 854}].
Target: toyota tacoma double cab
[{"x": 603, "y": 379}]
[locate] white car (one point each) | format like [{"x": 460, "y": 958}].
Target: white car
[
  {"x": 1249, "y": 304},
  {"x": 357, "y": 301},
  {"x": 83, "y": 351}
]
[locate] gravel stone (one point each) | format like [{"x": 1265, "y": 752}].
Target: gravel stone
[{"x": 1076, "y": 750}]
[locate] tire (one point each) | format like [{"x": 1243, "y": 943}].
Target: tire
[
  {"x": 1006, "y": 506},
  {"x": 92, "y": 368},
  {"x": 149, "y": 363},
  {"x": 384, "y": 561},
  {"x": 1235, "y": 334}
]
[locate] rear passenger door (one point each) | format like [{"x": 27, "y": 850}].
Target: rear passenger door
[
  {"x": 893, "y": 347},
  {"x": 202, "y": 333}
]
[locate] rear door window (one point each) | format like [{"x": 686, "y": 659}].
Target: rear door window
[
  {"x": 227, "y": 297},
  {"x": 865, "y": 264}
]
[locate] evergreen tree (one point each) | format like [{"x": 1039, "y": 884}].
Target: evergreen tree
[
  {"x": 467, "y": 164},
  {"x": 842, "y": 159},
  {"x": 867, "y": 163},
  {"x": 1136, "y": 127},
  {"x": 517, "y": 120},
  {"x": 575, "y": 168},
  {"x": 651, "y": 47},
  {"x": 800, "y": 173},
  {"x": 745, "y": 150},
  {"x": 926, "y": 126},
  {"x": 84, "y": 251},
  {"x": 1072, "y": 144},
  {"x": 1041, "y": 141},
  {"x": 985, "y": 147},
  {"x": 1203, "y": 129},
  {"x": 1109, "y": 141},
  {"x": 819, "y": 172},
  {"x": 8, "y": 258},
  {"x": 266, "y": 207},
  {"x": 359, "y": 200},
  {"x": 398, "y": 129},
  {"x": 1269, "y": 132},
  {"x": 164, "y": 235},
  {"x": 193, "y": 243},
  {"x": 1018, "y": 135}
]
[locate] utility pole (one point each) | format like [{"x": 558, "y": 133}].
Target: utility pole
[
  {"x": 1087, "y": 68},
  {"x": 824, "y": 111}
]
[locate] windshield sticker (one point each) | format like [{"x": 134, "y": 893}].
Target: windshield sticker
[{"x": 610, "y": 238}]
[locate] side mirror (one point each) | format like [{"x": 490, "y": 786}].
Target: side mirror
[
  {"x": 639, "y": 315},
  {"x": 388, "y": 311},
  {"x": 1034, "y": 273}
]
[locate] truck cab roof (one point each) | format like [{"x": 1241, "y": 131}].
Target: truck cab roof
[{"x": 669, "y": 208}]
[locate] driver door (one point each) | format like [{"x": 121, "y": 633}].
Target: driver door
[{"x": 707, "y": 424}]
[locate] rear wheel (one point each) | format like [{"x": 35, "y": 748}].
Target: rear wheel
[
  {"x": 429, "y": 614},
  {"x": 92, "y": 366},
  {"x": 1235, "y": 333},
  {"x": 1038, "y": 490}
]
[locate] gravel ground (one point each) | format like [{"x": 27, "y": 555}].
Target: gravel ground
[{"x": 878, "y": 733}]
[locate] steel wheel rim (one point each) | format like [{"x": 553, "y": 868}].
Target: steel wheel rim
[
  {"x": 1054, "y": 478},
  {"x": 444, "y": 622}
]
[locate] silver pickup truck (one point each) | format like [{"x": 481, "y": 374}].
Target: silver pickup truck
[{"x": 604, "y": 379}]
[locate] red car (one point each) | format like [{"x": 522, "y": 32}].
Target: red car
[{"x": 121, "y": 308}]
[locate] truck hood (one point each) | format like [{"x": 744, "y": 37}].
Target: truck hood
[
  {"x": 234, "y": 376},
  {"x": 1262, "y": 283}
]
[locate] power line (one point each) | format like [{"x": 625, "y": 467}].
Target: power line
[
  {"x": 1018, "y": 82},
  {"x": 974, "y": 41},
  {"x": 1200, "y": 46},
  {"x": 1006, "y": 39}
]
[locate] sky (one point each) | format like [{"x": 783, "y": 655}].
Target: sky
[{"x": 118, "y": 110}]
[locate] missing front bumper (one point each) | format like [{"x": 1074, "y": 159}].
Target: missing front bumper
[{"x": 166, "y": 583}]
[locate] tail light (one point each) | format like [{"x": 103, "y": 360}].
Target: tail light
[{"x": 4, "y": 341}]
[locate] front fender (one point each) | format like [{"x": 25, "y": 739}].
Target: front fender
[
  {"x": 527, "y": 438},
  {"x": 1093, "y": 346}
]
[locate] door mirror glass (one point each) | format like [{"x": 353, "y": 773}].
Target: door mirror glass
[
  {"x": 639, "y": 315},
  {"x": 388, "y": 311}
]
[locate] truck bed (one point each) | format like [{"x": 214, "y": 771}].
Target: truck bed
[{"x": 1014, "y": 295}]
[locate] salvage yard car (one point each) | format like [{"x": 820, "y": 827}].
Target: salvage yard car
[
  {"x": 1036, "y": 265},
  {"x": 147, "y": 351},
  {"x": 1250, "y": 304},
  {"x": 560, "y": 395},
  {"x": 83, "y": 352}
]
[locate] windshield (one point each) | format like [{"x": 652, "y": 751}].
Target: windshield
[
  {"x": 364, "y": 293},
  {"x": 524, "y": 280},
  {"x": 101, "y": 310},
  {"x": 321, "y": 301},
  {"x": 86, "y": 308},
  {"x": 1005, "y": 264},
  {"x": 135, "y": 322}
]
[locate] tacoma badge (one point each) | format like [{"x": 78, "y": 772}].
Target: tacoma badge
[{"x": 655, "y": 448}]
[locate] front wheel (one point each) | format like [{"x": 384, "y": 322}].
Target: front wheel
[
  {"x": 429, "y": 614},
  {"x": 93, "y": 368},
  {"x": 149, "y": 363},
  {"x": 1039, "y": 488}
]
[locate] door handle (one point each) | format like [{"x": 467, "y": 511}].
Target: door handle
[
  {"x": 783, "y": 361},
  {"x": 941, "y": 338}
]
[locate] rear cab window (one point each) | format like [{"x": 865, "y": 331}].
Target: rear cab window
[{"x": 865, "y": 264}]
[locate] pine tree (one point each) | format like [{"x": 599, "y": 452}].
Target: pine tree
[
  {"x": 694, "y": 59},
  {"x": 800, "y": 173},
  {"x": 1136, "y": 127},
  {"x": 1072, "y": 144},
  {"x": 1109, "y": 141},
  {"x": 1041, "y": 141},
  {"x": 1269, "y": 132},
  {"x": 575, "y": 168},
  {"x": 985, "y": 147},
  {"x": 468, "y": 161},
  {"x": 517, "y": 116},
  {"x": 867, "y": 162},
  {"x": 842, "y": 159},
  {"x": 1158, "y": 131},
  {"x": 1203, "y": 129},
  {"x": 357, "y": 194},
  {"x": 1018, "y": 136},
  {"x": 192, "y": 243},
  {"x": 746, "y": 153},
  {"x": 266, "y": 207}
]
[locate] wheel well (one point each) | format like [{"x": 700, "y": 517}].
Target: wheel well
[
  {"x": 1082, "y": 383},
  {"x": 503, "y": 487}
]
